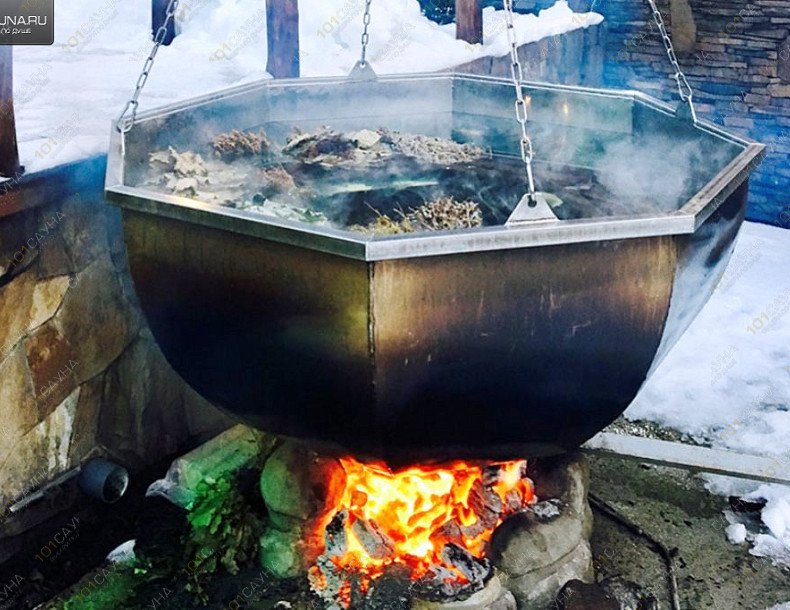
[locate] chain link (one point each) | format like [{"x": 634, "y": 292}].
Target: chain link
[
  {"x": 517, "y": 74},
  {"x": 684, "y": 88},
  {"x": 365, "y": 34},
  {"x": 124, "y": 122}
]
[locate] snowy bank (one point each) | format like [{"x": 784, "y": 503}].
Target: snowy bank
[{"x": 727, "y": 381}]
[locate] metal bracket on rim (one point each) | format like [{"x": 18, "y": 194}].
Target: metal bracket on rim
[
  {"x": 362, "y": 72},
  {"x": 527, "y": 212},
  {"x": 686, "y": 112}
]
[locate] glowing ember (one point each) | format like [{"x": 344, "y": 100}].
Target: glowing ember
[{"x": 413, "y": 516}]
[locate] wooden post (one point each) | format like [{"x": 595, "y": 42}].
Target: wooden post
[
  {"x": 282, "y": 23},
  {"x": 469, "y": 21},
  {"x": 158, "y": 15},
  {"x": 9, "y": 152}
]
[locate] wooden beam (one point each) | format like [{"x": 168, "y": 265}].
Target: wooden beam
[
  {"x": 282, "y": 23},
  {"x": 9, "y": 151},
  {"x": 691, "y": 457},
  {"x": 158, "y": 15},
  {"x": 469, "y": 21}
]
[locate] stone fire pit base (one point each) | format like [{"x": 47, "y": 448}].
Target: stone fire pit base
[{"x": 534, "y": 553}]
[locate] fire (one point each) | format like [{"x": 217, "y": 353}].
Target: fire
[{"x": 408, "y": 517}]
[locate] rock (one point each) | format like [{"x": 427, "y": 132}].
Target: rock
[
  {"x": 86, "y": 418},
  {"x": 629, "y": 595},
  {"x": 577, "y": 595},
  {"x": 42, "y": 452},
  {"x": 18, "y": 413},
  {"x": 298, "y": 482},
  {"x": 523, "y": 544},
  {"x": 123, "y": 553},
  {"x": 366, "y": 138},
  {"x": 281, "y": 553},
  {"x": 492, "y": 597},
  {"x": 506, "y": 601},
  {"x": 234, "y": 449},
  {"x": 684, "y": 28},
  {"x": 16, "y": 299},
  {"x": 47, "y": 297},
  {"x": 539, "y": 550},
  {"x": 537, "y": 590},
  {"x": 783, "y": 69},
  {"x": 15, "y": 229},
  {"x": 53, "y": 260},
  {"x": 84, "y": 230},
  {"x": 51, "y": 362},
  {"x": 113, "y": 323}
]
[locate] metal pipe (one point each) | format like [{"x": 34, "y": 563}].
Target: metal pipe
[{"x": 104, "y": 480}]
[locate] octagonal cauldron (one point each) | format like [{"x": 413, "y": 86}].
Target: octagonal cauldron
[{"x": 494, "y": 342}]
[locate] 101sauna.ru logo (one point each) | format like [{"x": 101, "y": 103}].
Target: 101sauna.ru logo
[
  {"x": 27, "y": 22},
  {"x": 59, "y": 541}
]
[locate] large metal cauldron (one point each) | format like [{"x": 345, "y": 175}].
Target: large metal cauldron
[{"x": 493, "y": 343}]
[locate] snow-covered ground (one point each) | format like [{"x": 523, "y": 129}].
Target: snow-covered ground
[
  {"x": 727, "y": 382},
  {"x": 67, "y": 94}
]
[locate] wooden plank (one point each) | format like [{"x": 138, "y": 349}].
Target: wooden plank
[
  {"x": 469, "y": 21},
  {"x": 691, "y": 457},
  {"x": 9, "y": 151},
  {"x": 282, "y": 22}
]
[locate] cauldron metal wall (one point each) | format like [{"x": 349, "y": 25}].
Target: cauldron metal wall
[{"x": 493, "y": 343}]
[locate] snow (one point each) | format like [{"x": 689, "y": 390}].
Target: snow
[
  {"x": 727, "y": 381},
  {"x": 66, "y": 94},
  {"x": 736, "y": 533}
]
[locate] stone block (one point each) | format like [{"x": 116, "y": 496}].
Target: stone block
[
  {"x": 578, "y": 595},
  {"x": 51, "y": 362},
  {"x": 16, "y": 299},
  {"x": 236, "y": 448},
  {"x": 18, "y": 411},
  {"x": 281, "y": 553},
  {"x": 300, "y": 483},
  {"x": 46, "y": 299},
  {"x": 537, "y": 590},
  {"x": 42, "y": 452},
  {"x": 96, "y": 319},
  {"x": 491, "y": 597}
]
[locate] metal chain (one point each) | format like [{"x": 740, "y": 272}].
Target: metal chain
[
  {"x": 527, "y": 152},
  {"x": 124, "y": 122},
  {"x": 365, "y": 35},
  {"x": 685, "y": 90}
]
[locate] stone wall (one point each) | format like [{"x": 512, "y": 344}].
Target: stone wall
[
  {"x": 79, "y": 371},
  {"x": 736, "y": 54}
]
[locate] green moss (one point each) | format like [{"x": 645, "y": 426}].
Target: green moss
[{"x": 117, "y": 587}]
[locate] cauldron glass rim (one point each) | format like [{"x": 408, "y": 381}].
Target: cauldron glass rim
[{"x": 358, "y": 246}]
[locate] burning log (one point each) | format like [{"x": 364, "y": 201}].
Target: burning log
[
  {"x": 431, "y": 523},
  {"x": 473, "y": 569},
  {"x": 376, "y": 543},
  {"x": 335, "y": 537}
]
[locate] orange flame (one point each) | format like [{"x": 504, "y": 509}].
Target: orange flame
[{"x": 419, "y": 510}]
